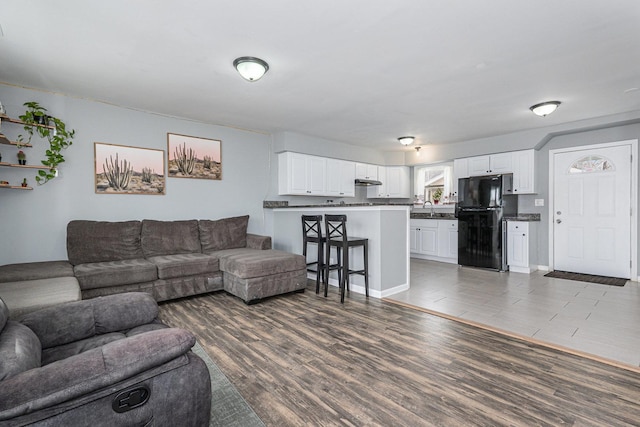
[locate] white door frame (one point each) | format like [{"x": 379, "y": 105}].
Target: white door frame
[{"x": 634, "y": 197}]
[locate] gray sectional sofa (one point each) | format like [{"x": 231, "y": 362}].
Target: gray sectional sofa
[{"x": 167, "y": 259}]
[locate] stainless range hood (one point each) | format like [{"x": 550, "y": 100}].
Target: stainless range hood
[{"x": 367, "y": 182}]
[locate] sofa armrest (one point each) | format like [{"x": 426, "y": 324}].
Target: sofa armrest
[
  {"x": 73, "y": 321},
  {"x": 91, "y": 371},
  {"x": 255, "y": 241}
]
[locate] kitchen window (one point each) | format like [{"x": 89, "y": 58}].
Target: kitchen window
[{"x": 434, "y": 183}]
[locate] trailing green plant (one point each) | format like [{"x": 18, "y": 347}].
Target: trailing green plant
[
  {"x": 36, "y": 120},
  {"x": 147, "y": 175},
  {"x": 117, "y": 173},
  {"x": 185, "y": 161}
]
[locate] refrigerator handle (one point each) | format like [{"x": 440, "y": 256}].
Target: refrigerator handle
[{"x": 505, "y": 261}]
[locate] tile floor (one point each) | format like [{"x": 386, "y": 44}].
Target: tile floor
[{"x": 596, "y": 319}]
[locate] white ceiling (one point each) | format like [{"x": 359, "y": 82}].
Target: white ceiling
[{"x": 362, "y": 72}]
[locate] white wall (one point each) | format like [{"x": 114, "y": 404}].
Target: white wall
[{"x": 33, "y": 223}]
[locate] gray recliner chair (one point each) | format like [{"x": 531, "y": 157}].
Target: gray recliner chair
[{"x": 106, "y": 361}]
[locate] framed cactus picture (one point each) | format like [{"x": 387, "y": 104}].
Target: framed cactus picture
[
  {"x": 120, "y": 169},
  {"x": 193, "y": 157}
]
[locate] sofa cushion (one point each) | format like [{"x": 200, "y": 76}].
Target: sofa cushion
[
  {"x": 180, "y": 265},
  {"x": 169, "y": 237},
  {"x": 20, "y": 350},
  {"x": 102, "y": 274},
  {"x": 226, "y": 233},
  {"x": 35, "y": 271},
  {"x": 258, "y": 263},
  {"x": 103, "y": 241},
  {"x": 66, "y": 323},
  {"x": 30, "y": 295}
]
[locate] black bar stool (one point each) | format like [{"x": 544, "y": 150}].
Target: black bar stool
[
  {"x": 336, "y": 236},
  {"x": 312, "y": 233}
]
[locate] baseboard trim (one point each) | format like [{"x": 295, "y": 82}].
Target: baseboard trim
[{"x": 359, "y": 289}]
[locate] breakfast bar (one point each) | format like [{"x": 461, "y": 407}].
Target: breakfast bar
[{"x": 385, "y": 225}]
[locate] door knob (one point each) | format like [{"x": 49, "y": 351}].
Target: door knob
[{"x": 558, "y": 221}]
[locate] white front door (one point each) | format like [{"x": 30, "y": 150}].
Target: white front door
[{"x": 592, "y": 211}]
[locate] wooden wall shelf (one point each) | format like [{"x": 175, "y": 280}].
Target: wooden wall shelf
[
  {"x": 15, "y": 187},
  {"x": 6, "y": 141},
  {"x": 12, "y": 165}
]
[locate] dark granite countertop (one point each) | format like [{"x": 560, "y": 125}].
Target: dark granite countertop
[
  {"x": 523, "y": 217},
  {"x": 284, "y": 205},
  {"x": 518, "y": 217},
  {"x": 436, "y": 215}
]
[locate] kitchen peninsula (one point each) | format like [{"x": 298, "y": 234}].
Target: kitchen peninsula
[{"x": 385, "y": 225}]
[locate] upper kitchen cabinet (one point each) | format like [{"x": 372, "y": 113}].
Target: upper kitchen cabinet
[
  {"x": 395, "y": 183},
  {"x": 341, "y": 175},
  {"x": 520, "y": 163},
  {"x": 492, "y": 164},
  {"x": 460, "y": 170},
  {"x": 366, "y": 171},
  {"x": 523, "y": 172},
  {"x": 300, "y": 174}
]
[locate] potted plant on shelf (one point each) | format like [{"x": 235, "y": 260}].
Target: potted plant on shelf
[
  {"x": 437, "y": 194},
  {"x": 35, "y": 119},
  {"x": 22, "y": 158}
]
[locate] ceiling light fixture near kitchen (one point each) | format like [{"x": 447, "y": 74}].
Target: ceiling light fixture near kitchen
[
  {"x": 250, "y": 68},
  {"x": 545, "y": 108},
  {"x": 418, "y": 150},
  {"x": 406, "y": 140}
]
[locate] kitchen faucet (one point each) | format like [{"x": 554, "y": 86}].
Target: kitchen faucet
[{"x": 425, "y": 204}]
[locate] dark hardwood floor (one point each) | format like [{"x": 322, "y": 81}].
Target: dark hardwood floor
[{"x": 301, "y": 359}]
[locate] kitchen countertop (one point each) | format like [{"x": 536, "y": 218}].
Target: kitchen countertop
[
  {"x": 436, "y": 215},
  {"x": 531, "y": 217},
  {"x": 284, "y": 205},
  {"x": 519, "y": 217}
]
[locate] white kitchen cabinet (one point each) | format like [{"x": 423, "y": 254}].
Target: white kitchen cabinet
[
  {"x": 426, "y": 236},
  {"x": 366, "y": 171},
  {"x": 460, "y": 170},
  {"x": 301, "y": 174},
  {"x": 518, "y": 246},
  {"x": 523, "y": 171},
  {"x": 434, "y": 239},
  {"x": 491, "y": 164},
  {"x": 520, "y": 163},
  {"x": 448, "y": 239},
  {"x": 341, "y": 175},
  {"x": 395, "y": 183}
]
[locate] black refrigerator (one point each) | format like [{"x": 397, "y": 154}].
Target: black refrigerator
[{"x": 483, "y": 202}]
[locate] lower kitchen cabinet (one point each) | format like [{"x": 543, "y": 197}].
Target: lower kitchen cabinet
[
  {"x": 434, "y": 239},
  {"x": 518, "y": 246},
  {"x": 448, "y": 239}
]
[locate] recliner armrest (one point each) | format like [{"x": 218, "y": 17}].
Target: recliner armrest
[
  {"x": 91, "y": 371},
  {"x": 73, "y": 321},
  {"x": 255, "y": 241}
]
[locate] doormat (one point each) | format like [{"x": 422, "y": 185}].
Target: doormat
[{"x": 603, "y": 280}]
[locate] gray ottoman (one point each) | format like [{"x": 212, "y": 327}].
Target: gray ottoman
[{"x": 256, "y": 274}]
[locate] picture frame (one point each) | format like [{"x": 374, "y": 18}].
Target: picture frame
[
  {"x": 122, "y": 169},
  {"x": 194, "y": 157}
]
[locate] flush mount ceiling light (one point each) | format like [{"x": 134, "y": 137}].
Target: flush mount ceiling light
[
  {"x": 544, "y": 108},
  {"x": 250, "y": 68},
  {"x": 406, "y": 140}
]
